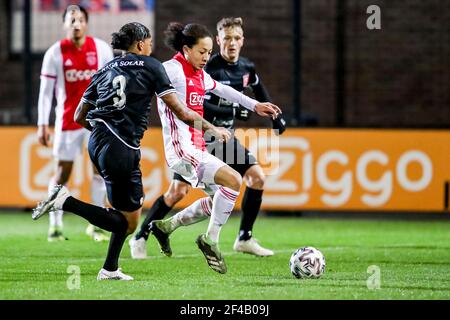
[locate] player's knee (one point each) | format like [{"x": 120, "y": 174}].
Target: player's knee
[
  {"x": 175, "y": 195},
  {"x": 256, "y": 180},
  {"x": 132, "y": 225},
  {"x": 234, "y": 181}
]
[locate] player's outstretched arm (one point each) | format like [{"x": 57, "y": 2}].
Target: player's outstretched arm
[
  {"x": 192, "y": 118},
  {"x": 264, "y": 109},
  {"x": 81, "y": 113}
]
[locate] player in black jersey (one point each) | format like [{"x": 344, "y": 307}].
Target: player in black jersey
[
  {"x": 115, "y": 107},
  {"x": 231, "y": 69}
]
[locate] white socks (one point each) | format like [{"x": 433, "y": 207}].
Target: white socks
[
  {"x": 223, "y": 204},
  {"x": 56, "y": 216},
  {"x": 196, "y": 212},
  {"x": 98, "y": 191},
  {"x": 56, "y": 220}
]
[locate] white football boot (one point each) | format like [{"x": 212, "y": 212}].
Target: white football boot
[
  {"x": 251, "y": 246},
  {"x": 55, "y": 200},
  {"x": 113, "y": 275}
]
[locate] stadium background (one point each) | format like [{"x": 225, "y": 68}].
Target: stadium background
[
  {"x": 319, "y": 60},
  {"x": 350, "y": 76},
  {"x": 366, "y": 108}
]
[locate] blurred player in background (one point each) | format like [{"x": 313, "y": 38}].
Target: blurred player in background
[
  {"x": 66, "y": 72},
  {"x": 238, "y": 72},
  {"x": 186, "y": 151},
  {"x": 115, "y": 106},
  {"x": 226, "y": 67}
]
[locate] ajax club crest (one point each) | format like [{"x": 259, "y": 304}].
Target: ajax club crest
[{"x": 91, "y": 58}]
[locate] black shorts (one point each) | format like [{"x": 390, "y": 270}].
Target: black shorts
[
  {"x": 119, "y": 167},
  {"x": 179, "y": 177},
  {"x": 234, "y": 154}
]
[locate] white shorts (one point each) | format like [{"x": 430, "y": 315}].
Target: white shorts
[
  {"x": 202, "y": 175},
  {"x": 68, "y": 144}
]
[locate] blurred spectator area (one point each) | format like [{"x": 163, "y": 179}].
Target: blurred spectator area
[{"x": 398, "y": 76}]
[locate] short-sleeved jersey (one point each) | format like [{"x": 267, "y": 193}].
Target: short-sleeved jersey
[
  {"x": 121, "y": 93},
  {"x": 239, "y": 75},
  {"x": 190, "y": 85},
  {"x": 70, "y": 70}
]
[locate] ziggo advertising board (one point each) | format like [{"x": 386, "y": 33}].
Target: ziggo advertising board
[{"x": 307, "y": 169}]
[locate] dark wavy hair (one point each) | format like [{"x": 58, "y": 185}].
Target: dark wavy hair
[
  {"x": 178, "y": 35},
  {"x": 128, "y": 34}
]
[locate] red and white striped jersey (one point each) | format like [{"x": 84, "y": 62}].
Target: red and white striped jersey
[
  {"x": 181, "y": 140},
  {"x": 190, "y": 86},
  {"x": 66, "y": 72}
]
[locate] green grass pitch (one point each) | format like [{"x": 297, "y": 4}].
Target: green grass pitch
[{"x": 413, "y": 258}]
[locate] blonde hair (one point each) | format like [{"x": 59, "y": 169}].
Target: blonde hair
[{"x": 229, "y": 22}]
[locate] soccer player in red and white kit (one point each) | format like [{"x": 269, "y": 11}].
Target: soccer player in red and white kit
[
  {"x": 185, "y": 148},
  {"x": 66, "y": 72}
]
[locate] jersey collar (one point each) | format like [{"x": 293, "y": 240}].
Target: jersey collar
[{"x": 186, "y": 65}]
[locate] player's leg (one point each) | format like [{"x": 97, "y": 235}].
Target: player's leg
[
  {"x": 119, "y": 166},
  {"x": 229, "y": 182},
  {"x": 98, "y": 196},
  {"x": 251, "y": 203},
  {"x": 244, "y": 162},
  {"x": 224, "y": 199},
  {"x": 67, "y": 147},
  {"x": 178, "y": 189},
  {"x": 106, "y": 218},
  {"x": 196, "y": 212},
  {"x": 111, "y": 270},
  {"x": 61, "y": 176},
  {"x": 138, "y": 243}
]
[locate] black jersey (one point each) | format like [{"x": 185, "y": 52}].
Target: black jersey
[
  {"x": 121, "y": 93},
  {"x": 240, "y": 76}
]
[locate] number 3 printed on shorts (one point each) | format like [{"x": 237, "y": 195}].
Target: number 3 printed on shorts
[{"x": 120, "y": 83}]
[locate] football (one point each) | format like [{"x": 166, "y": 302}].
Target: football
[{"x": 307, "y": 262}]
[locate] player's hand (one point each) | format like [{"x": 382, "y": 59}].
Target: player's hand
[
  {"x": 221, "y": 134},
  {"x": 44, "y": 135},
  {"x": 267, "y": 109},
  {"x": 279, "y": 125},
  {"x": 240, "y": 112}
]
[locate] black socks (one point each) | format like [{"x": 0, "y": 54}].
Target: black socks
[
  {"x": 157, "y": 212},
  {"x": 115, "y": 246},
  {"x": 251, "y": 203},
  {"x": 106, "y": 218}
]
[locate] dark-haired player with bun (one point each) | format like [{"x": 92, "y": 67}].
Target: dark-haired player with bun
[
  {"x": 115, "y": 108},
  {"x": 239, "y": 73},
  {"x": 185, "y": 149}
]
